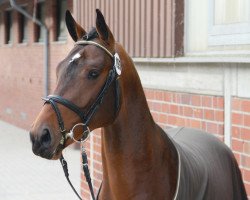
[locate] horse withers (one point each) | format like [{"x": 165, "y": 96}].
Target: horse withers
[{"x": 98, "y": 86}]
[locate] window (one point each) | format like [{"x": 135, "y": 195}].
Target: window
[
  {"x": 22, "y": 27},
  {"x": 229, "y": 22},
  {"x": 40, "y": 15},
  {"x": 1, "y": 28},
  {"x": 217, "y": 27},
  {"x": 8, "y": 22},
  {"x": 61, "y": 32}
]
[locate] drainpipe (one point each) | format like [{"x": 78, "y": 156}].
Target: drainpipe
[{"x": 46, "y": 43}]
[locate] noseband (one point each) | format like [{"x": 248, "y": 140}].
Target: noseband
[{"x": 85, "y": 117}]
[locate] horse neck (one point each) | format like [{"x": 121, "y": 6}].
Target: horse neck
[
  {"x": 134, "y": 121},
  {"x": 134, "y": 144}
]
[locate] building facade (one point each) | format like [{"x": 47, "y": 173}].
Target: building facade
[
  {"x": 192, "y": 57},
  {"x": 22, "y": 56}
]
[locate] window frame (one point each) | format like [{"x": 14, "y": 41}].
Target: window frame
[
  {"x": 1, "y": 28},
  {"x": 60, "y": 36},
  {"x": 8, "y": 27},
  {"x": 23, "y": 27},
  {"x": 39, "y": 34},
  {"x": 227, "y": 34}
]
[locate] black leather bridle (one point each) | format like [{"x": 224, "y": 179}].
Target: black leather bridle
[{"x": 85, "y": 117}]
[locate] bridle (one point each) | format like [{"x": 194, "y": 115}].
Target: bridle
[{"x": 85, "y": 117}]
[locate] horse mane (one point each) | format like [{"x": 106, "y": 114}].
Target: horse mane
[{"x": 92, "y": 34}]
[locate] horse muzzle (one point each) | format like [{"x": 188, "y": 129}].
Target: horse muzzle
[{"x": 42, "y": 143}]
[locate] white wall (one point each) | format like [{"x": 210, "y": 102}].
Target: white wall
[
  {"x": 192, "y": 78},
  {"x": 199, "y": 78}
]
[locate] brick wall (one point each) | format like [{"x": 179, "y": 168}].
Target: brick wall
[
  {"x": 95, "y": 162},
  {"x": 171, "y": 109},
  {"x": 180, "y": 109},
  {"x": 241, "y": 136},
  {"x": 22, "y": 67}
]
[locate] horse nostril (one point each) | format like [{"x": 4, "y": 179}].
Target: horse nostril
[{"x": 45, "y": 138}]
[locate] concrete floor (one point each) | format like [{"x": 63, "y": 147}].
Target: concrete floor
[{"x": 24, "y": 176}]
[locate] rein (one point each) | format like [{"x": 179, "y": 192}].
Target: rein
[{"x": 85, "y": 117}]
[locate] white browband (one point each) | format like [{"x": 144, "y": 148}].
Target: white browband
[{"x": 96, "y": 44}]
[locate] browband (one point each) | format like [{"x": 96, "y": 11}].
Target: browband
[{"x": 81, "y": 42}]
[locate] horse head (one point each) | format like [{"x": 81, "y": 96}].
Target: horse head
[{"x": 87, "y": 90}]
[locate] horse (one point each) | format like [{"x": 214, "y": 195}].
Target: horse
[{"x": 98, "y": 86}]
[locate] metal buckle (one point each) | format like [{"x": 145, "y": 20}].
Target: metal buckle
[
  {"x": 62, "y": 130},
  {"x": 62, "y": 140},
  {"x": 85, "y": 134},
  {"x": 117, "y": 64}
]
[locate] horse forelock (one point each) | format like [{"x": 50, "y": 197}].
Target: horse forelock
[{"x": 92, "y": 34}]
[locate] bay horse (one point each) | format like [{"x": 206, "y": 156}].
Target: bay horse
[{"x": 98, "y": 86}]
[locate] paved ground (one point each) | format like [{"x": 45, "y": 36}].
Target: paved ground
[{"x": 24, "y": 176}]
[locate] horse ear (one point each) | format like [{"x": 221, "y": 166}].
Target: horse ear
[
  {"x": 103, "y": 29},
  {"x": 75, "y": 30}
]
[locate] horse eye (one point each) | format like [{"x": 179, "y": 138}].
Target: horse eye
[{"x": 93, "y": 74}]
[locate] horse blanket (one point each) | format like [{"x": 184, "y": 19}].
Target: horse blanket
[{"x": 207, "y": 167}]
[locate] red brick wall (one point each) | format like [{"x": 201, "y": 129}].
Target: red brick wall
[
  {"x": 241, "y": 136},
  {"x": 204, "y": 112},
  {"x": 181, "y": 109},
  {"x": 22, "y": 66},
  {"x": 96, "y": 162}
]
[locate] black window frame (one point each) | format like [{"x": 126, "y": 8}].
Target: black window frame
[
  {"x": 22, "y": 27},
  {"x": 8, "y": 26},
  {"x": 61, "y": 31},
  {"x": 40, "y": 16}
]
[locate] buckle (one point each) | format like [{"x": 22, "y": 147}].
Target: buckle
[
  {"x": 117, "y": 64},
  {"x": 85, "y": 133}
]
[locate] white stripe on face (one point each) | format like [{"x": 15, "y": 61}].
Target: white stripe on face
[{"x": 76, "y": 56}]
